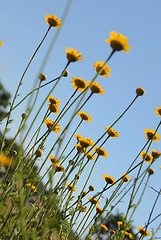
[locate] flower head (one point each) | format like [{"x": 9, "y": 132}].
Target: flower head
[
  {"x": 80, "y": 148},
  {"x": 143, "y": 231},
  {"x": 128, "y": 235},
  {"x": 100, "y": 151},
  {"x": 1, "y": 44},
  {"x": 5, "y": 160},
  {"x": 78, "y": 136},
  {"x": 150, "y": 134},
  {"x": 54, "y": 160},
  {"x": 140, "y": 91},
  {"x": 53, "y": 108},
  {"x": 158, "y": 111},
  {"x": 79, "y": 83},
  {"x": 84, "y": 116},
  {"x": 105, "y": 70},
  {"x": 125, "y": 177},
  {"x": 86, "y": 142},
  {"x": 73, "y": 55},
  {"x": 109, "y": 179},
  {"x": 118, "y": 42},
  {"x": 103, "y": 228},
  {"x": 148, "y": 158},
  {"x": 49, "y": 123},
  {"x": 53, "y": 21},
  {"x": 70, "y": 187},
  {"x": 96, "y": 88},
  {"x": 112, "y": 133},
  {"x": 91, "y": 188},
  {"x": 82, "y": 208},
  {"x": 53, "y": 100},
  {"x": 155, "y": 153},
  {"x": 99, "y": 210},
  {"x": 33, "y": 188},
  {"x": 57, "y": 167},
  {"x": 93, "y": 200},
  {"x": 90, "y": 156}
]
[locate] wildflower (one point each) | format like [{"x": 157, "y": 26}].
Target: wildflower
[
  {"x": 156, "y": 154},
  {"x": 80, "y": 148},
  {"x": 54, "y": 160},
  {"x": 1, "y": 44},
  {"x": 150, "y": 134},
  {"x": 86, "y": 142},
  {"x": 42, "y": 77},
  {"x": 140, "y": 91},
  {"x": 148, "y": 158},
  {"x": 57, "y": 167},
  {"x": 105, "y": 70},
  {"x": 96, "y": 88},
  {"x": 118, "y": 42},
  {"x": 73, "y": 55},
  {"x": 103, "y": 228},
  {"x": 33, "y": 188},
  {"x": 53, "y": 108},
  {"x": 93, "y": 200},
  {"x": 78, "y": 136},
  {"x": 53, "y": 100},
  {"x": 4, "y": 160},
  {"x": 49, "y": 123},
  {"x": 53, "y": 21},
  {"x": 158, "y": 111},
  {"x": 109, "y": 179},
  {"x": 84, "y": 116},
  {"x": 70, "y": 187},
  {"x": 99, "y": 210},
  {"x": 100, "y": 151},
  {"x": 90, "y": 156},
  {"x": 79, "y": 83},
  {"x": 112, "y": 232},
  {"x": 151, "y": 171},
  {"x": 66, "y": 73},
  {"x": 112, "y": 133},
  {"x": 62, "y": 237},
  {"x": 91, "y": 188},
  {"x": 39, "y": 152},
  {"x": 82, "y": 208},
  {"x": 128, "y": 235},
  {"x": 120, "y": 224},
  {"x": 125, "y": 177},
  {"x": 143, "y": 231}
]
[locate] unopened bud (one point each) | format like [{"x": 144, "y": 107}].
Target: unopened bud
[
  {"x": 151, "y": 171},
  {"x": 13, "y": 153},
  {"x": 39, "y": 153},
  {"x": 140, "y": 91},
  {"x": 42, "y": 77},
  {"x": 66, "y": 73}
]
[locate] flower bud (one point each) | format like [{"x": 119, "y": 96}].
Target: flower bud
[
  {"x": 39, "y": 153},
  {"x": 42, "y": 77},
  {"x": 66, "y": 73},
  {"x": 140, "y": 91},
  {"x": 24, "y": 116},
  {"x": 13, "y": 153},
  {"x": 151, "y": 171}
]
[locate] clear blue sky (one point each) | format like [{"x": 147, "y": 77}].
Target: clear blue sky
[{"x": 88, "y": 24}]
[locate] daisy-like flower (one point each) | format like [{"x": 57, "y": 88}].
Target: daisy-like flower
[
  {"x": 128, "y": 235},
  {"x": 5, "y": 160},
  {"x": 99, "y": 210},
  {"x": 53, "y": 100},
  {"x": 70, "y": 187},
  {"x": 118, "y": 42},
  {"x": 90, "y": 156},
  {"x": 100, "y": 151},
  {"x": 1, "y": 44},
  {"x": 73, "y": 55},
  {"x": 53, "y": 21},
  {"x": 143, "y": 231},
  {"x": 120, "y": 224},
  {"x": 86, "y": 142},
  {"x": 53, "y": 108},
  {"x": 33, "y": 188},
  {"x": 155, "y": 153},
  {"x": 105, "y": 70},
  {"x": 54, "y": 160},
  {"x": 112, "y": 133},
  {"x": 80, "y": 148},
  {"x": 109, "y": 179},
  {"x": 77, "y": 136},
  {"x": 103, "y": 228},
  {"x": 158, "y": 111},
  {"x": 57, "y": 167},
  {"x": 49, "y": 123},
  {"x": 84, "y": 116},
  {"x": 96, "y": 88},
  {"x": 79, "y": 83},
  {"x": 93, "y": 200},
  {"x": 150, "y": 133},
  {"x": 125, "y": 177},
  {"x": 148, "y": 158}
]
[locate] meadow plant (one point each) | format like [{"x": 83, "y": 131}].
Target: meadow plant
[{"x": 32, "y": 207}]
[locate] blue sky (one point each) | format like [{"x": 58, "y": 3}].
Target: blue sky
[{"x": 88, "y": 24}]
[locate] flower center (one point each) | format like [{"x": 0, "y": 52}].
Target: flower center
[
  {"x": 116, "y": 45},
  {"x": 52, "y": 22}
]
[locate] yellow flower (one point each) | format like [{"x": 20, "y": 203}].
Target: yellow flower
[
  {"x": 49, "y": 123},
  {"x": 118, "y": 42},
  {"x": 82, "y": 208},
  {"x": 112, "y": 232},
  {"x": 57, "y": 167},
  {"x": 84, "y": 116},
  {"x": 99, "y": 210},
  {"x": 77, "y": 136},
  {"x": 79, "y": 83},
  {"x": 1, "y": 44},
  {"x": 100, "y": 151},
  {"x": 86, "y": 142},
  {"x": 112, "y": 133},
  {"x": 53, "y": 21},
  {"x": 70, "y": 187},
  {"x": 93, "y": 200},
  {"x": 120, "y": 223},
  {"x": 125, "y": 177},
  {"x": 53, "y": 100},
  {"x": 54, "y": 160},
  {"x": 73, "y": 55},
  {"x": 96, "y": 88},
  {"x": 148, "y": 158},
  {"x": 80, "y": 148},
  {"x": 140, "y": 91},
  {"x": 150, "y": 134},
  {"x": 53, "y": 108},
  {"x": 156, "y": 154},
  {"x": 158, "y": 111},
  {"x": 90, "y": 156},
  {"x": 103, "y": 228},
  {"x": 109, "y": 179},
  {"x": 105, "y": 70},
  {"x": 5, "y": 160},
  {"x": 34, "y": 189},
  {"x": 128, "y": 235},
  {"x": 143, "y": 231},
  {"x": 91, "y": 188}
]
